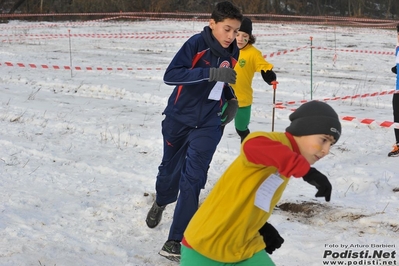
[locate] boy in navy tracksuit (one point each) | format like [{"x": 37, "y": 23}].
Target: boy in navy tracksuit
[{"x": 201, "y": 71}]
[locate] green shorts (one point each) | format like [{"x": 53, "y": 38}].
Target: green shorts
[
  {"x": 190, "y": 257},
  {"x": 242, "y": 118}
]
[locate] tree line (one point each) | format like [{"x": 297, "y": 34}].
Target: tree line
[{"x": 381, "y": 9}]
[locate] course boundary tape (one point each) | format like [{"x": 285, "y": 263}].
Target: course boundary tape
[
  {"x": 347, "y": 97},
  {"x": 56, "y": 67},
  {"x": 366, "y": 121}
]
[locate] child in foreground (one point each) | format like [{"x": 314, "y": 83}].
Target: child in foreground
[{"x": 225, "y": 229}]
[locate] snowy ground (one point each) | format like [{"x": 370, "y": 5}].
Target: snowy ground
[{"x": 80, "y": 149}]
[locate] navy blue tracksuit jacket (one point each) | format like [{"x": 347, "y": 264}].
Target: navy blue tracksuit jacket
[{"x": 192, "y": 127}]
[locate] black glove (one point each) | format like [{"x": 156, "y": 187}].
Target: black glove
[
  {"x": 271, "y": 237},
  {"x": 394, "y": 70},
  {"x": 268, "y": 76},
  {"x": 397, "y": 28},
  {"x": 320, "y": 181},
  {"x": 224, "y": 74},
  {"x": 229, "y": 111}
]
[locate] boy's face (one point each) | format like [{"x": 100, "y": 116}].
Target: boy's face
[
  {"x": 314, "y": 147},
  {"x": 242, "y": 39},
  {"x": 225, "y": 31}
]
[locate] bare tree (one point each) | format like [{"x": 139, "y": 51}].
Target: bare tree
[
  {"x": 358, "y": 8},
  {"x": 16, "y": 6}
]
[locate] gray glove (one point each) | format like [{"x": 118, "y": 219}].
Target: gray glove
[
  {"x": 229, "y": 111},
  {"x": 224, "y": 74}
]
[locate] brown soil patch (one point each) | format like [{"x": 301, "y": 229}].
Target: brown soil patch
[{"x": 307, "y": 209}]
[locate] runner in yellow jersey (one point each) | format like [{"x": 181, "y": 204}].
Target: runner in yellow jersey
[
  {"x": 226, "y": 229},
  {"x": 250, "y": 62}
]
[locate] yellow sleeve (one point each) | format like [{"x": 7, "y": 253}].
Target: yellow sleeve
[{"x": 260, "y": 62}]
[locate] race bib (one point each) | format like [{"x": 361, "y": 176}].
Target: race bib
[{"x": 266, "y": 191}]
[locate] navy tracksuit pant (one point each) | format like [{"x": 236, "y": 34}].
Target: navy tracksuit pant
[{"x": 183, "y": 171}]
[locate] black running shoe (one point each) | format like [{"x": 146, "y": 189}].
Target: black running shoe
[
  {"x": 154, "y": 215},
  {"x": 171, "y": 250},
  {"x": 395, "y": 151}
]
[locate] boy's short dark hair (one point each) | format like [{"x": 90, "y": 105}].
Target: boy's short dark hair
[
  {"x": 252, "y": 39},
  {"x": 225, "y": 10}
]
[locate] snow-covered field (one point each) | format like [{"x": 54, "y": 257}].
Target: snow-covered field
[{"x": 80, "y": 148}]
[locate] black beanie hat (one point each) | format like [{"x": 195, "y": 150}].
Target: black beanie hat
[
  {"x": 246, "y": 26},
  {"x": 315, "y": 117}
]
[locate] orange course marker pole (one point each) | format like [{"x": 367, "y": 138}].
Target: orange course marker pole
[{"x": 274, "y": 101}]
